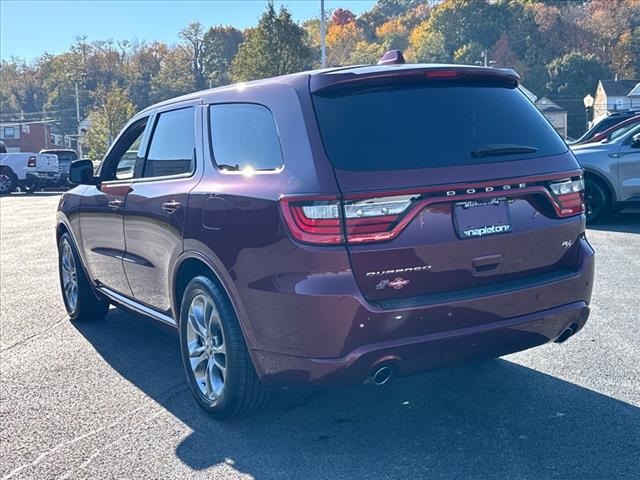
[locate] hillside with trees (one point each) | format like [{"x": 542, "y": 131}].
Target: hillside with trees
[{"x": 560, "y": 49}]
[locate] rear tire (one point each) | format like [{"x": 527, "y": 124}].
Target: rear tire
[
  {"x": 219, "y": 369},
  {"x": 597, "y": 200},
  {"x": 8, "y": 181},
  {"x": 80, "y": 300}
]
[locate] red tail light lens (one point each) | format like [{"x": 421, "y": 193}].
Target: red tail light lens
[
  {"x": 568, "y": 196},
  {"x": 31, "y": 161},
  {"x": 318, "y": 220},
  {"x": 313, "y": 220}
]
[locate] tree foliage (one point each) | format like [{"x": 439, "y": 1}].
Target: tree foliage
[
  {"x": 277, "y": 46},
  {"x": 112, "y": 112},
  {"x": 219, "y": 46}
]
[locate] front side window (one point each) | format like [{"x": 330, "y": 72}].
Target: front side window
[
  {"x": 171, "y": 151},
  {"x": 123, "y": 161},
  {"x": 244, "y": 137}
]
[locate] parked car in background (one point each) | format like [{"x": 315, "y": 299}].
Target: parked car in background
[
  {"x": 319, "y": 229},
  {"x": 612, "y": 173},
  {"x": 615, "y": 131},
  {"x": 603, "y": 124},
  {"x": 27, "y": 171},
  {"x": 65, "y": 157}
]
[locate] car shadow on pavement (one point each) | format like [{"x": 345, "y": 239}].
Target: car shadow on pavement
[
  {"x": 491, "y": 420},
  {"x": 626, "y": 221}
]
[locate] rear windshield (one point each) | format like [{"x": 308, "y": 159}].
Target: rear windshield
[
  {"x": 62, "y": 156},
  {"x": 404, "y": 127}
]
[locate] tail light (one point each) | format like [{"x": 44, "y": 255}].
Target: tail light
[
  {"x": 568, "y": 196},
  {"x": 31, "y": 161},
  {"x": 320, "y": 220}
]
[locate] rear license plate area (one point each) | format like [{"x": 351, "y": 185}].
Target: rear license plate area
[{"x": 478, "y": 218}]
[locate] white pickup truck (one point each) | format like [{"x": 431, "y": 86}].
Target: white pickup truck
[{"x": 26, "y": 170}]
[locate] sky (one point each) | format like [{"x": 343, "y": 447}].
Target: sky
[{"x": 29, "y": 28}]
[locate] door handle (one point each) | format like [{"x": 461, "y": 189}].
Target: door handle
[
  {"x": 115, "y": 204},
  {"x": 171, "y": 206}
]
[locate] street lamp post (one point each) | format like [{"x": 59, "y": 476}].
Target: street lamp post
[
  {"x": 76, "y": 77},
  {"x": 588, "y": 105}
]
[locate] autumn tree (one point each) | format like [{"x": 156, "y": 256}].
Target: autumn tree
[
  {"x": 393, "y": 34},
  {"x": 113, "y": 110},
  {"x": 341, "y": 42},
  {"x": 277, "y": 46},
  {"x": 342, "y": 16}
]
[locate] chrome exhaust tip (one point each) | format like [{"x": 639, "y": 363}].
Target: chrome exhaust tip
[
  {"x": 382, "y": 374},
  {"x": 566, "y": 333}
]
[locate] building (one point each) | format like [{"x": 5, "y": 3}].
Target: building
[
  {"x": 33, "y": 136},
  {"x": 634, "y": 97},
  {"x": 614, "y": 96},
  {"x": 556, "y": 115}
]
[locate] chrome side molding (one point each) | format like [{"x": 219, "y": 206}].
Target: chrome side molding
[{"x": 137, "y": 307}]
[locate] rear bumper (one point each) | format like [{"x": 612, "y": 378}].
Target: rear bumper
[
  {"x": 43, "y": 177},
  {"x": 321, "y": 331},
  {"x": 426, "y": 352}
]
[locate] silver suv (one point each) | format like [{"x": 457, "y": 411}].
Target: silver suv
[{"x": 612, "y": 173}]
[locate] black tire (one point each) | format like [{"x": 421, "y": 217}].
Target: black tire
[
  {"x": 597, "y": 200},
  {"x": 8, "y": 181},
  {"x": 87, "y": 305},
  {"x": 242, "y": 392}
]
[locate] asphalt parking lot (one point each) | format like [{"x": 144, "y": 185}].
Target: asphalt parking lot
[{"x": 108, "y": 399}]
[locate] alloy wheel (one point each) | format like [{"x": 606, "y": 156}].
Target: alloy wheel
[
  {"x": 206, "y": 346},
  {"x": 69, "y": 276},
  {"x": 5, "y": 182},
  {"x": 594, "y": 202}
]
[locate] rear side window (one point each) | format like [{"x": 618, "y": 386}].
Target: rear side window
[
  {"x": 171, "y": 151},
  {"x": 244, "y": 136},
  {"x": 405, "y": 127}
]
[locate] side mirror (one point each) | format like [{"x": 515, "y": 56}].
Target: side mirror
[
  {"x": 635, "y": 141},
  {"x": 81, "y": 173}
]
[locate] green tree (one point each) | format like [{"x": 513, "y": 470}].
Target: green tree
[
  {"x": 427, "y": 45},
  {"x": 192, "y": 38},
  {"x": 112, "y": 112},
  {"x": 277, "y": 46},
  {"x": 571, "y": 78},
  {"x": 175, "y": 76},
  {"x": 219, "y": 47}
]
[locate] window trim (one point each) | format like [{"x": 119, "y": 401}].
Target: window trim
[{"x": 272, "y": 171}]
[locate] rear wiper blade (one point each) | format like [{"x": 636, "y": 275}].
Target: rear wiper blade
[{"x": 502, "y": 149}]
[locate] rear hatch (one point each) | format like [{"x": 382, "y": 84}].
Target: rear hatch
[{"x": 452, "y": 184}]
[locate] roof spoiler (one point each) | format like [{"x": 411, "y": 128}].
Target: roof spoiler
[{"x": 378, "y": 74}]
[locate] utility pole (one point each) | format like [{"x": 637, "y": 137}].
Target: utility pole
[
  {"x": 323, "y": 46},
  {"x": 75, "y": 78},
  {"x": 485, "y": 59}
]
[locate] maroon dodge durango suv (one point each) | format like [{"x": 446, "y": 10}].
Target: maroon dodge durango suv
[{"x": 334, "y": 227}]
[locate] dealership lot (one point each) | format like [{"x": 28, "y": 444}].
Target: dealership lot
[{"x": 108, "y": 399}]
